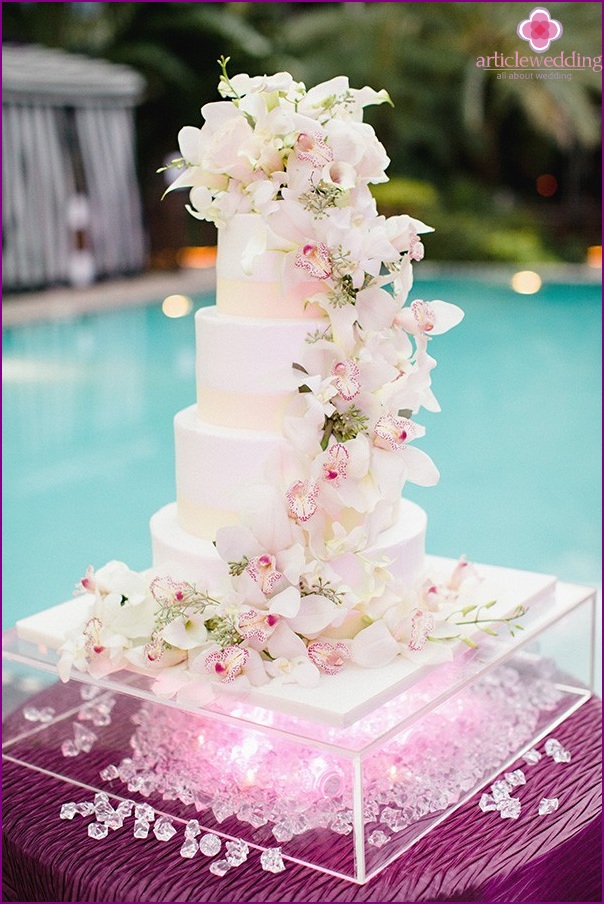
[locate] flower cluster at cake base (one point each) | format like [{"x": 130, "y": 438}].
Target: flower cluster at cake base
[{"x": 266, "y": 618}]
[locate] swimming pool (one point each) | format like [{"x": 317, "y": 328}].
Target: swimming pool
[{"x": 89, "y": 402}]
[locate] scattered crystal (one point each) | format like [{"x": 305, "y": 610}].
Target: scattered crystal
[
  {"x": 237, "y": 852},
  {"x": 125, "y": 807},
  {"x": 531, "y": 757},
  {"x": 68, "y": 748},
  {"x": 515, "y": 778},
  {"x": 272, "y": 861},
  {"x": 192, "y": 829},
  {"x": 46, "y": 714},
  {"x": 509, "y": 808},
  {"x": 189, "y": 848},
  {"x": 109, "y": 773},
  {"x": 86, "y": 808},
  {"x": 378, "y": 838},
  {"x": 557, "y": 752},
  {"x": 144, "y": 812},
  {"x": 501, "y": 790},
  {"x": 68, "y": 811},
  {"x": 31, "y": 713},
  {"x": 141, "y": 828},
  {"x": 97, "y": 830},
  {"x": 342, "y": 824},
  {"x": 84, "y": 738},
  {"x": 219, "y": 867},
  {"x": 114, "y": 820},
  {"x": 487, "y": 802},
  {"x": 548, "y": 805},
  {"x": 103, "y": 808},
  {"x": 282, "y": 832},
  {"x": 88, "y": 691},
  {"x": 163, "y": 829},
  {"x": 222, "y": 810},
  {"x": 210, "y": 845},
  {"x": 561, "y": 756},
  {"x": 394, "y": 818}
]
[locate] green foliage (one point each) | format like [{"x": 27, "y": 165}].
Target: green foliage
[{"x": 457, "y": 134}]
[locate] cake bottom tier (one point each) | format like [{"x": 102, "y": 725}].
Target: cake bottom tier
[{"x": 403, "y": 545}]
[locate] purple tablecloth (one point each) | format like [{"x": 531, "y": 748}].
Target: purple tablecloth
[{"x": 472, "y": 856}]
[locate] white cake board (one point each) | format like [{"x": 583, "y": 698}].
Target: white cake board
[{"x": 342, "y": 699}]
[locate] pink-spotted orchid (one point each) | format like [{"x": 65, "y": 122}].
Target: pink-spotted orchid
[{"x": 226, "y": 664}]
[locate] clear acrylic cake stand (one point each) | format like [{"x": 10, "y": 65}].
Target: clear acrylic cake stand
[{"x": 343, "y": 778}]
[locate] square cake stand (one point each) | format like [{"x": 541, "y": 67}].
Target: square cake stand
[{"x": 344, "y": 777}]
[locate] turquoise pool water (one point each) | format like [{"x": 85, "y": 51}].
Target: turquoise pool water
[{"x": 88, "y": 407}]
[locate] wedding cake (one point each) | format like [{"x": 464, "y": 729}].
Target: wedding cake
[
  {"x": 289, "y": 551},
  {"x": 290, "y": 609}
]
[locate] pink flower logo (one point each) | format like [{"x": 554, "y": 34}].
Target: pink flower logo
[{"x": 539, "y": 29}]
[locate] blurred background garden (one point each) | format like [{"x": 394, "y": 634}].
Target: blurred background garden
[{"x": 505, "y": 170}]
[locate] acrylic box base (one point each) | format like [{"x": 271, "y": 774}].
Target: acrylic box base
[{"x": 346, "y": 800}]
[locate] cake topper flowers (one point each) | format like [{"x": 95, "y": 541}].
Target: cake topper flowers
[{"x": 298, "y": 592}]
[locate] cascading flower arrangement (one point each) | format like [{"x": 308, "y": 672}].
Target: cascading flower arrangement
[{"x": 300, "y": 592}]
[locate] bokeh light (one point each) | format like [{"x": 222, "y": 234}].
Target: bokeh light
[
  {"x": 177, "y": 306},
  {"x": 198, "y": 257},
  {"x": 526, "y": 282},
  {"x": 546, "y": 185},
  {"x": 594, "y": 256}
]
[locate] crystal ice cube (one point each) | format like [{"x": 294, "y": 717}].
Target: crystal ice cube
[
  {"x": 141, "y": 828},
  {"x": 210, "y": 844},
  {"x": 378, "y": 838},
  {"x": 394, "y": 818},
  {"x": 547, "y": 805},
  {"x": 531, "y": 757},
  {"x": 272, "y": 861},
  {"x": 561, "y": 756},
  {"x": 83, "y": 737},
  {"x": 69, "y": 748},
  {"x": 97, "y": 830},
  {"x": 283, "y": 832},
  {"x": 515, "y": 778},
  {"x": 68, "y": 811},
  {"x": 31, "y": 713},
  {"x": 222, "y": 810},
  {"x": 113, "y": 820},
  {"x": 500, "y": 790},
  {"x": 86, "y": 808},
  {"x": 192, "y": 829},
  {"x": 125, "y": 808},
  {"x": 46, "y": 714},
  {"x": 509, "y": 808},
  {"x": 219, "y": 867},
  {"x": 556, "y": 750},
  {"x": 237, "y": 852},
  {"x": 163, "y": 829},
  {"x": 89, "y": 691},
  {"x": 487, "y": 802},
  {"x": 109, "y": 773},
  {"x": 144, "y": 812},
  {"x": 189, "y": 848},
  {"x": 341, "y": 823}
]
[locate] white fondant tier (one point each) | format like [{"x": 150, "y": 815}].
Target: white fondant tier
[
  {"x": 403, "y": 545},
  {"x": 249, "y": 274},
  {"x": 212, "y": 465},
  {"x": 244, "y": 367}
]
